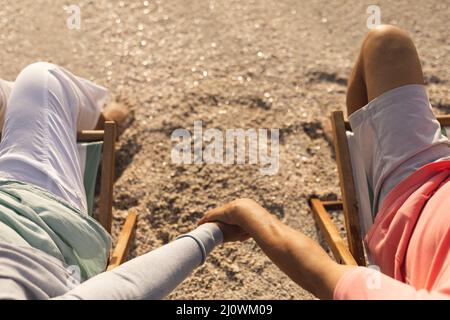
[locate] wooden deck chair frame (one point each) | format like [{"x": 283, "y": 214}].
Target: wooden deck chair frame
[
  {"x": 105, "y": 215},
  {"x": 351, "y": 253}
]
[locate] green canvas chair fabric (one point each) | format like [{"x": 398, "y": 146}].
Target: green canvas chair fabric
[{"x": 90, "y": 154}]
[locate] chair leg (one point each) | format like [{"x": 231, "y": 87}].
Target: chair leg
[
  {"x": 330, "y": 232},
  {"x": 123, "y": 241}
]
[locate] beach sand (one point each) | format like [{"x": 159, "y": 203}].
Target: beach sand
[{"x": 231, "y": 64}]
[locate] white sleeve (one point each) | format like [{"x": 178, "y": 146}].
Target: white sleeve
[{"x": 155, "y": 274}]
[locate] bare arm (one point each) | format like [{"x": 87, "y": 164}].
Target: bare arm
[{"x": 300, "y": 257}]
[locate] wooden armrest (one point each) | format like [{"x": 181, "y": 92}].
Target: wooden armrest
[
  {"x": 123, "y": 241},
  {"x": 90, "y": 135},
  {"x": 331, "y": 233}
]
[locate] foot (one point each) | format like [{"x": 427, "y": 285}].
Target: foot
[{"x": 116, "y": 111}]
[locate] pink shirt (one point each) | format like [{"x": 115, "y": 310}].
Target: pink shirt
[{"x": 409, "y": 241}]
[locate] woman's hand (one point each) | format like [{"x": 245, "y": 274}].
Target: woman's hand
[{"x": 235, "y": 218}]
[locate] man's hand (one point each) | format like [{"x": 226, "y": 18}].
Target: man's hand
[
  {"x": 236, "y": 213},
  {"x": 232, "y": 233}
]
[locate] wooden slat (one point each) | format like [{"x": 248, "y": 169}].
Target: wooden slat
[
  {"x": 123, "y": 241},
  {"x": 444, "y": 120},
  {"x": 90, "y": 135},
  {"x": 331, "y": 234},
  {"x": 107, "y": 177},
  {"x": 108, "y": 136},
  {"x": 350, "y": 204}
]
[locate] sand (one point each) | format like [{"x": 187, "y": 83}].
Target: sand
[{"x": 232, "y": 64}]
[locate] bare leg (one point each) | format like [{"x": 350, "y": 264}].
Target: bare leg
[{"x": 388, "y": 59}]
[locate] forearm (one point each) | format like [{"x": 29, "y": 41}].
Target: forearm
[
  {"x": 152, "y": 275},
  {"x": 300, "y": 257}
]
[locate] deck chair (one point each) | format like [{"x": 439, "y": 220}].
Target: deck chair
[
  {"x": 95, "y": 147},
  {"x": 356, "y": 194}
]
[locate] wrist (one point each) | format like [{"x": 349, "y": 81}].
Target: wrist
[{"x": 254, "y": 219}]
